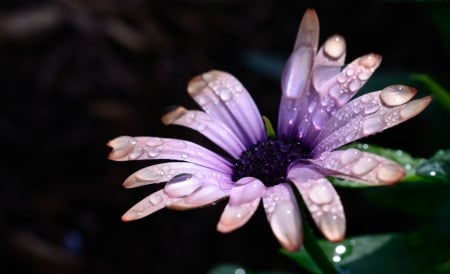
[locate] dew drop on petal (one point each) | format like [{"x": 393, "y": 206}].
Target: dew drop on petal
[
  {"x": 121, "y": 146},
  {"x": 321, "y": 194},
  {"x": 154, "y": 151},
  {"x": 190, "y": 118},
  {"x": 369, "y": 61},
  {"x": 135, "y": 153},
  {"x": 364, "y": 165},
  {"x": 363, "y": 76},
  {"x": 397, "y": 95},
  {"x": 225, "y": 95},
  {"x": 373, "y": 124},
  {"x": 184, "y": 155},
  {"x": 181, "y": 185},
  {"x": 390, "y": 173},
  {"x": 147, "y": 175},
  {"x": 371, "y": 108},
  {"x": 354, "y": 85},
  {"x": 154, "y": 141},
  {"x": 332, "y": 226},
  {"x": 320, "y": 118},
  {"x": 155, "y": 199},
  {"x": 334, "y": 47},
  {"x": 350, "y": 155},
  {"x": 201, "y": 127}
]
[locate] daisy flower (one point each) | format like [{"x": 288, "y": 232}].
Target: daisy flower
[{"x": 317, "y": 115}]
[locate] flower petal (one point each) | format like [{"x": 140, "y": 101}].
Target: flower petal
[
  {"x": 165, "y": 171},
  {"x": 322, "y": 201},
  {"x": 296, "y": 75},
  {"x": 245, "y": 190},
  {"x": 367, "y": 115},
  {"x": 335, "y": 92},
  {"x": 207, "y": 194},
  {"x": 284, "y": 216},
  {"x": 147, "y": 206},
  {"x": 361, "y": 166},
  {"x": 127, "y": 148},
  {"x": 223, "y": 97},
  {"x": 213, "y": 129},
  {"x": 235, "y": 216}
]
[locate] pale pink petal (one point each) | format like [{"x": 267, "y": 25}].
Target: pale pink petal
[
  {"x": 207, "y": 194},
  {"x": 165, "y": 171},
  {"x": 212, "y": 128},
  {"x": 322, "y": 201},
  {"x": 245, "y": 190},
  {"x": 223, "y": 97},
  {"x": 361, "y": 166},
  {"x": 127, "y": 148},
  {"x": 296, "y": 74},
  {"x": 147, "y": 206},
  {"x": 235, "y": 216},
  {"x": 364, "y": 116},
  {"x": 284, "y": 216}
]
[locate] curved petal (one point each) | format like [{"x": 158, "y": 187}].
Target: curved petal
[
  {"x": 361, "y": 166},
  {"x": 205, "y": 195},
  {"x": 284, "y": 216},
  {"x": 147, "y": 206},
  {"x": 213, "y": 129},
  {"x": 235, "y": 216},
  {"x": 335, "y": 92},
  {"x": 367, "y": 115},
  {"x": 322, "y": 201},
  {"x": 296, "y": 75},
  {"x": 223, "y": 97},
  {"x": 127, "y": 148},
  {"x": 245, "y": 190},
  {"x": 165, "y": 171}
]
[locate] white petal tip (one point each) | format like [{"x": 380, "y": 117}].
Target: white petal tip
[
  {"x": 414, "y": 107},
  {"x": 121, "y": 147},
  {"x": 173, "y": 115}
]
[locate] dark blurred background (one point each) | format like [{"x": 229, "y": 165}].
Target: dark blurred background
[{"x": 77, "y": 73}]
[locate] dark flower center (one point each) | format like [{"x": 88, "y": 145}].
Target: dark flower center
[{"x": 269, "y": 160}]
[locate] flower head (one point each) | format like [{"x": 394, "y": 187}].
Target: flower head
[{"x": 316, "y": 116}]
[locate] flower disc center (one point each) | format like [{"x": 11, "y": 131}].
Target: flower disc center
[{"x": 268, "y": 160}]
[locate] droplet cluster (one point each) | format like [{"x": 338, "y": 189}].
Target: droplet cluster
[{"x": 269, "y": 160}]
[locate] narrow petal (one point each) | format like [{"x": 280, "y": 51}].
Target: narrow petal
[
  {"x": 365, "y": 116},
  {"x": 165, "y": 171},
  {"x": 127, "y": 148},
  {"x": 235, "y": 216},
  {"x": 284, "y": 216},
  {"x": 361, "y": 166},
  {"x": 205, "y": 195},
  {"x": 213, "y": 129},
  {"x": 245, "y": 190},
  {"x": 336, "y": 92},
  {"x": 223, "y": 97},
  {"x": 296, "y": 75},
  {"x": 147, "y": 206},
  {"x": 322, "y": 201}
]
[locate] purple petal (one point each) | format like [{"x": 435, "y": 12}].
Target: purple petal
[
  {"x": 147, "y": 206},
  {"x": 235, "y": 216},
  {"x": 367, "y": 115},
  {"x": 165, "y": 171},
  {"x": 361, "y": 166},
  {"x": 296, "y": 74},
  {"x": 322, "y": 201},
  {"x": 127, "y": 148},
  {"x": 205, "y": 195},
  {"x": 284, "y": 216},
  {"x": 245, "y": 190},
  {"x": 224, "y": 98},
  {"x": 213, "y": 129}
]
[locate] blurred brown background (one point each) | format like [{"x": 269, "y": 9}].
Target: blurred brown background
[{"x": 76, "y": 73}]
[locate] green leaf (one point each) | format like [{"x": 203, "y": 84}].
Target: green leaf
[
  {"x": 269, "y": 128},
  {"x": 303, "y": 259},
  {"x": 437, "y": 167},
  {"x": 423, "y": 251}
]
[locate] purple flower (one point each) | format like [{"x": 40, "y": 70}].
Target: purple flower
[{"x": 316, "y": 117}]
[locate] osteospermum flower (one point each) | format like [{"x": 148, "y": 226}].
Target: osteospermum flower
[{"x": 316, "y": 117}]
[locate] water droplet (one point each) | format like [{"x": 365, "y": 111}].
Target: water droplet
[
  {"x": 154, "y": 151},
  {"x": 225, "y": 95},
  {"x": 370, "y": 61},
  {"x": 397, "y": 95},
  {"x": 137, "y": 151},
  {"x": 363, "y": 76},
  {"x": 155, "y": 199},
  {"x": 335, "y": 92},
  {"x": 340, "y": 249},
  {"x": 373, "y": 124},
  {"x": 154, "y": 141},
  {"x": 291, "y": 115},
  {"x": 334, "y": 47},
  {"x": 320, "y": 118},
  {"x": 371, "y": 108},
  {"x": 190, "y": 117},
  {"x": 184, "y": 155},
  {"x": 332, "y": 226},
  {"x": 349, "y": 71},
  {"x": 390, "y": 173},
  {"x": 432, "y": 173},
  {"x": 364, "y": 165},
  {"x": 336, "y": 258},
  {"x": 321, "y": 194},
  {"x": 311, "y": 107},
  {"x": 181, "y": 185},
  {"x": 121, "y": 146},
  {"x": 147, "y": 175},
  {"x": 325, "y": 101},
  {"x": 350, "y": 155},
  {"x": 341, "y": 78},
  {"x": 354, "y": 85}
]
